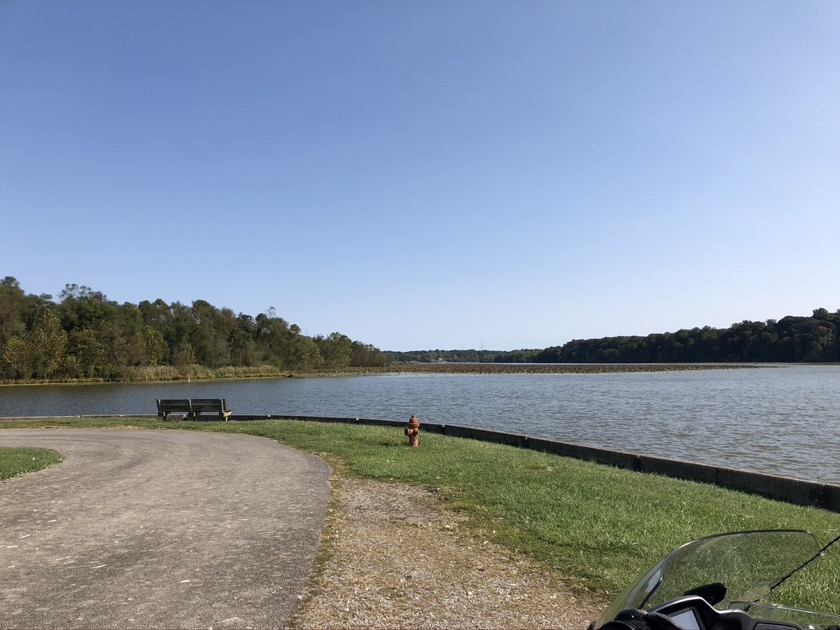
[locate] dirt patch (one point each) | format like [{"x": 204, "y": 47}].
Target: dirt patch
[{"x": 394, "y": 558}]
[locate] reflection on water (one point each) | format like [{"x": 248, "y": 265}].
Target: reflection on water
[{"x": 782, "y": 420}]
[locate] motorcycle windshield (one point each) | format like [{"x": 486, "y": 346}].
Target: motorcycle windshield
[{"x": 747, "y": 564}]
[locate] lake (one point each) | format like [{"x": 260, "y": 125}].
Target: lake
[{"x": 782, "y": 420}]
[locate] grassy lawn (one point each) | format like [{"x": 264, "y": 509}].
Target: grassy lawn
[
  {"x": 598, "y": 525},
  {"x": 17, "y": 461}
]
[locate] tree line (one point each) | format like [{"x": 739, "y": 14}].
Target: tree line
[
  {"x": 462, "y": 356},
  {"x": 84, "y": 335},
  {"x": 791, "y": 339}
]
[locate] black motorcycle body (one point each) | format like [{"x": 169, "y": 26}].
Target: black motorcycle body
[{"x": 719, "y": 582}]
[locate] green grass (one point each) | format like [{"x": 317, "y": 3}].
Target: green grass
[
  {"x": 598, "y": 525},
  {"x": 17, "y": 461}
]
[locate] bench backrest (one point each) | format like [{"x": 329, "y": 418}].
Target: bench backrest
[
  {"x": 174, "y": 405},
  {"x": 209, "y": 404}
]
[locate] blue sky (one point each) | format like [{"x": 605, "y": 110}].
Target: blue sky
[{"x": 428, "y": 174}]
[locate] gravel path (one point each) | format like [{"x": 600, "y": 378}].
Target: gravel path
[
  {"x": 394, "y": 558},
  {"x": 158, "y": 529}
]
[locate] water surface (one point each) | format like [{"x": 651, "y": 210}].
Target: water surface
[{"x": 777, "y": 420}]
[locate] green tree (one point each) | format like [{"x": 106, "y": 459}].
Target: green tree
[
  {"x": 88, "y": 356},
  {"x": 49, "y": 345},
  {"x": 184, "y": 354},
  {"x": 18, "y": 357},
  {"x": 156, "y": 351},
  {"x": 336, "y": 350},
  {"x": 365, "y": 355},
  {"x": 302, "y": 354}
]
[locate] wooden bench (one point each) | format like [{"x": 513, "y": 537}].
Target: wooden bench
[
  {"x": 210, "y": 405},
  {"x": 193, "y": 408}
]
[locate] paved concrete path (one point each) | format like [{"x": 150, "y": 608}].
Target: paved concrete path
[{"x": 158, "y": 529}]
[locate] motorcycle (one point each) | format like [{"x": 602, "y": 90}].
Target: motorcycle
[{"x": 718, "y": 582}]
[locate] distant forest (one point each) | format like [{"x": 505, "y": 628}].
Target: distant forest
[
  {"x": 84, "y": 335},
  {"x": 789, "y": 340}
]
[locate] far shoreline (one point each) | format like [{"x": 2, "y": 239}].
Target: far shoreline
[{"x": 195, "y": 373}]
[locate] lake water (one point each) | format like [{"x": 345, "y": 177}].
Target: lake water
[{"x": 782, "y": 420}]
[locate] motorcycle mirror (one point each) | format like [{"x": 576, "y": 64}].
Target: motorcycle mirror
[{"x": 712, "y": 593}]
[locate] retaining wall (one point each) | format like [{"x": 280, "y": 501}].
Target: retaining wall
[{"x": 799, "y": 492}]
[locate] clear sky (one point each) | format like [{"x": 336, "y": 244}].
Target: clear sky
[{"x": 428, "y": 174}]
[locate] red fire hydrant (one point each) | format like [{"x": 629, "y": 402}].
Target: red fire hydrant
[{"x": 413, "y": 432}]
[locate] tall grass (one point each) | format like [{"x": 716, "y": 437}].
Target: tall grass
[{"x": 196, "y": 372}]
